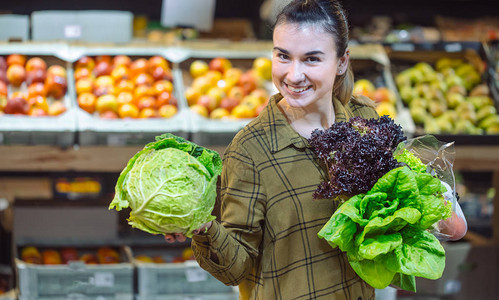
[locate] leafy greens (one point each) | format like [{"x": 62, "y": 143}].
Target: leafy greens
[
  {"x": 384, "y": 231},
  {"x": 170, "y": 186}
]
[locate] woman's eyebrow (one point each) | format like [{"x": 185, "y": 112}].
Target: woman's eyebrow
[{"x": 315, "y": 52}]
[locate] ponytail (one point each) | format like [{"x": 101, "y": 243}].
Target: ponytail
[{"x": 343, "y": 86}]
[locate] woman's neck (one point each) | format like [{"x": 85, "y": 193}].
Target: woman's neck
[{"x": 305, "y": 119}]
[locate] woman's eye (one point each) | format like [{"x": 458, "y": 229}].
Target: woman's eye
[
  {"x": 313, "y": 59},
  {"x": 282, "y": 56}
]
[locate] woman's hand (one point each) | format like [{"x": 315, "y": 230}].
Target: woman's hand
[{"x": 180, "y": 237}]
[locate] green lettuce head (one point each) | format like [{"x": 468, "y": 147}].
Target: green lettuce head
[{"x": 170, "y": 186}]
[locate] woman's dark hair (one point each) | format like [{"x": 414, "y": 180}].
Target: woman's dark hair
[{"x": 328, "y": 14}]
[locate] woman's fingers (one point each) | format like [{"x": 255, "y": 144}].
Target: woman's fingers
[
  {"x": 169, "y": 238},
  {"x": 180, "y": 237}
]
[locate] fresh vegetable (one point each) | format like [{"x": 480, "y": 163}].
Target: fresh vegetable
[
  {"x": 356, "y": 153},
  {"x": 170, "y": 186},
  {"x": 384, "y": 231},
  {"x": 406, "y": 157}
]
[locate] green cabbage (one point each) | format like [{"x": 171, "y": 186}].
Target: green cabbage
[
  {"x": 384, "y": 232},
  {"x": 169, "y": 186}
]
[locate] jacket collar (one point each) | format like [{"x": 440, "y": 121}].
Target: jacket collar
[{"x": 279, "y": 132}]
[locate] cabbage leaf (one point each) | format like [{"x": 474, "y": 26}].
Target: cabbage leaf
[{"x": 169, "y": 186}]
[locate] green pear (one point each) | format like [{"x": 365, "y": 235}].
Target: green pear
[
  {"x": 431, "y": 126},
  {"x": 454, "y": 100},
  {"x": 464, "y": 127},
  {"x": 485, "y": 111},
  {"x": 490, "y": 121},
  {"x": 419, "y": 114},
  {"x": 445, "y": 124},
  {"x": 419, "y": 102},
  {"x": 436, "y": 108},
  {"x": 407, "y": 93}
]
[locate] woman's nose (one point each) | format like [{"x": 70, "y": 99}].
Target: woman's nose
[{"x": 295, "y": 72}]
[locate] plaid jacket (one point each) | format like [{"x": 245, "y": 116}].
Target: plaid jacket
[{"x": 267, "y": 241}]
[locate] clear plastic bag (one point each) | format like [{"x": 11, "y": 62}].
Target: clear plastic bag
[{"x": 439, "y": 157}]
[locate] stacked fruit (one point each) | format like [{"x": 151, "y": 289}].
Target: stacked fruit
[
  {"x": 103, "y": 255},
  {"x": 221, "y": 91},
  {"x": 385, "y": 98},
  {"x": 187, "y": 254},
  {"x": 448, "y": 98},
  {"x": 119, "y": 87},
  {"x": 28, "y": 86}
]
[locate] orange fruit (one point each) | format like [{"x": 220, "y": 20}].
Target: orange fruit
[
  {"x": 167, "y": 111},
  {"x": 200, "y": 110},
  {"x": 243, "y": 112},
  {"x": 148, "y": 112},
  {"x": 128, "y": 110}
]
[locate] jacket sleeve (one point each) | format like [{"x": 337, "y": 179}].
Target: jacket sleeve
[{"x": 236, "y": 240}]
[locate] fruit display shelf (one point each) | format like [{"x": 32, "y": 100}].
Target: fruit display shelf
[
  {"x": 173, "y": 273},
  {"x": 127, "y": 95},
  {"x": 36, "y": 108},
  {"x": 447, "y": 89},
  {"x": 74, "y": 273},
  {"x": 373, "y": 78},
  {"x": 224, "y": 90}
]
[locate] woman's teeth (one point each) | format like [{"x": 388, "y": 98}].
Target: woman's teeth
[{"x": 297, "y": 90}]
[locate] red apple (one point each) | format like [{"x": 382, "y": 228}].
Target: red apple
[
  {"x": 3, "y": 89},
  {"x": 56, "y": 86},
  {"x": 3, "y": 76},
  {"x": 166, "y": 98},
  {"x": 56, "y": 70},
  {"x": 102, "y": 68},
  {"x": 16, "y": 105},
  {"x": 138, "y": 66},
  {"x": 69, "y": 254},
  {"x": 146, "y": 102},
  {"x": 83, "y": 73},
  {"x": 229, "y": 103},
  {"x": 157, "y": 61},
  {"x": 247, "y": 82},
  {"x": 37, "y": 75},
  {"x": 16, "y": 74},
  {"x": 16, "y": 59},
  {"x": 208, "y": 102},
  {"x": 160, "y": 73},
  {"x": 38, "y": 112},
  {"x": 36, "y": 63},
  {"x": 143, "y": 79},
  {"x": 3, "y": 64},
  {"x": 57, "y": 108},
  {"x": 89, "y": 258},
  {"x": 122, "y": 60},
  {"x": 86, "y": 62},
  {"x": 87, "y": 102},
  {"x": 108, "y": 114},
  {"x": 106, "y": 58},
  {"x": 36, "y": 89},
  {"x": 220, "y": 64}
]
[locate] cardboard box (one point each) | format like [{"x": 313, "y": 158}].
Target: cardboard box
[{"x": 86, "y": 26}]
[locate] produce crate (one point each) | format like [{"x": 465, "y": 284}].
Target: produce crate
[
  {"x": 75, "y": 280},
  {"x": 208, "y": 131},
  {"x": 95, "y": 130},
  {"x": 462, "y": 113},
  {"x": 181, "y": 280},
  {"x": 370, "y": 62},
  {"x": 58, "y": 130}
]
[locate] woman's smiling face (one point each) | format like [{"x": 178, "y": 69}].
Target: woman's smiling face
[{"x": 304, "y": 63}]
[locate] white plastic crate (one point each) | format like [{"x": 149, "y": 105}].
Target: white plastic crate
[
  {"x": 75, "y": 281},
  {"x": 50, "y": 130},
  {"x": 93, "y": 130},
  {"x": 173, "y": 279}
]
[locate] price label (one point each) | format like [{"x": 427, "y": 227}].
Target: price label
[
  {"x": 403, "y": 47},
  {"x": 104, "y": 279},
  {"x": 454, "y": 47},
  {"x": 194, "y": 273},
  {"x": 72, "y": 31}
]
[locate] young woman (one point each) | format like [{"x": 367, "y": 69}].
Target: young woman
[{"x": 267, "y": 239}]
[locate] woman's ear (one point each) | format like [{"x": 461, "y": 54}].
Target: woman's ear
[{"x": 343, "y": 63}]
